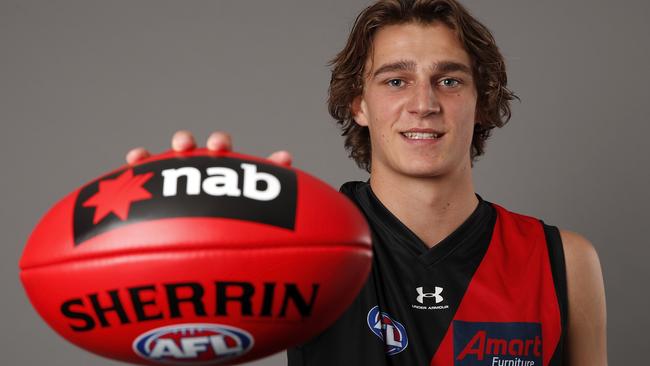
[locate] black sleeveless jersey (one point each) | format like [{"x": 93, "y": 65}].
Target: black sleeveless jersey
[{"x": 492, "y": 293}]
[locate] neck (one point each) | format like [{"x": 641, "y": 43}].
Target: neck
[{"x": 431, "y": 207}]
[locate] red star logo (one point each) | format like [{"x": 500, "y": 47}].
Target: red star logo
[{"x": 116, "y": 195}]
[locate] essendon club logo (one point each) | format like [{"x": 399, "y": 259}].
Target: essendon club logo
[
  {"x": 187, "y": 187},
  {"x": 497, "y": 344}
]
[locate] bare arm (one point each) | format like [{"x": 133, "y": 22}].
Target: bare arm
[{"x": 586, "y": 334}]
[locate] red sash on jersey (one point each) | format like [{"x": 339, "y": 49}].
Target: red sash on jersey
[{"x": 509, "y": 314}]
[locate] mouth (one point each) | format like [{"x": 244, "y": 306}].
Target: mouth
[{"x": 422, "y": 134}]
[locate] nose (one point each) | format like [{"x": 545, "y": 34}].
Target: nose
[{"x": 423, "y": 100}]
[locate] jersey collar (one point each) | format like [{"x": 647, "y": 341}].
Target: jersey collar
[{"x": 388, "y": 225}]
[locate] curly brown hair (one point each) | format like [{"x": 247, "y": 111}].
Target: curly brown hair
[{"x": 488, "y": 68}]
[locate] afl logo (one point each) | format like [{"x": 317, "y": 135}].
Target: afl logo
[
  {"x": 193, "y": 344},
  {"x": 388, "y": 330}
]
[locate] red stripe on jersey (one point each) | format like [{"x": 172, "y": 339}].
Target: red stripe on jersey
[{"x": 512, "y": 284}]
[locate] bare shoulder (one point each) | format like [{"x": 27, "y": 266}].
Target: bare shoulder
[
  {"x": 578, "y": 248},
  {"x": 586, "y": 336}
]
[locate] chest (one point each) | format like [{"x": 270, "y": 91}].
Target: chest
[{"x": 487, "y": 298}]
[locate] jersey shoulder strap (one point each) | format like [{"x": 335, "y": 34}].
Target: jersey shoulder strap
[{"x": 555, "y": 252}]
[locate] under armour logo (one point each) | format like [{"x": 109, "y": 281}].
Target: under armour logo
[{"x": 436, "y": 295}]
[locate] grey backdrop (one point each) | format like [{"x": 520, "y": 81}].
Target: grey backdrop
[{"x": 81, "y": 82}]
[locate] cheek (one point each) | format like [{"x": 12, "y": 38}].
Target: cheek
[
  {"x": 383, "y": 103},
  {"x": 461, "y": 113},
  {"x": 379, "y": 130},
  {"x": 464, "y": 110},
  {"x": 469, "y": 119},
  {"x": 383, "y": 113},
  {"x": 468, "y": 129}
]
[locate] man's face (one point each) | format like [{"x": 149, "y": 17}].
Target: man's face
[{"x": 419, "y": 101}]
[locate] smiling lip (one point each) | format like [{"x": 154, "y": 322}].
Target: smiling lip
[{"x": 422, "y": 135}]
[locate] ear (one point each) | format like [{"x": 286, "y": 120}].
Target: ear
[{"x": 358, "y": 109}]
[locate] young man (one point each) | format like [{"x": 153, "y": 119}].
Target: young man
[{"x": 455, "y": 280}]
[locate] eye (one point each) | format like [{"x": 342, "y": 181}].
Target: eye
[
  {"x": 449, "y": 83},
  {"x": 395, "y": 83}
]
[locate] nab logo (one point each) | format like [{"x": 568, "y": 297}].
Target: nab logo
[
  {"x": 436, "y": 294},
  {"x": 222, "y": 181},
  {"x": 193, "y": 344},
  {"x": 388, "y": 330},
  {"x": 200, "y": 186}
]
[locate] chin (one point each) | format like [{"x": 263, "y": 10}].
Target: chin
[
  {"x": 426, "y": 170},
  {"x": 415, "y": 167}
]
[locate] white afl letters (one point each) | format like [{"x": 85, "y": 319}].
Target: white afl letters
[{"x": 222, "y": 181}]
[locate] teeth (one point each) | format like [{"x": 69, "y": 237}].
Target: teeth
[{"x": 420, "y": 135}]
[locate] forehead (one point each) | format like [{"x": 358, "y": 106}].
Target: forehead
[{"x": 425, "y": 44}]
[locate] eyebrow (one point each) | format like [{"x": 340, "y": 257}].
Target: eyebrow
[
  {"x": 451, "y": 66},
  {"x": 395, "y": 66},
  {"x": 405, "y": 65}
]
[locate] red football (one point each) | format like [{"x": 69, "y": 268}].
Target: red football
[{"x": 196, "y": 258}]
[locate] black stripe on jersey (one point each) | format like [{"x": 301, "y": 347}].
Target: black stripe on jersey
[{"x": 558, "y": 269}]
